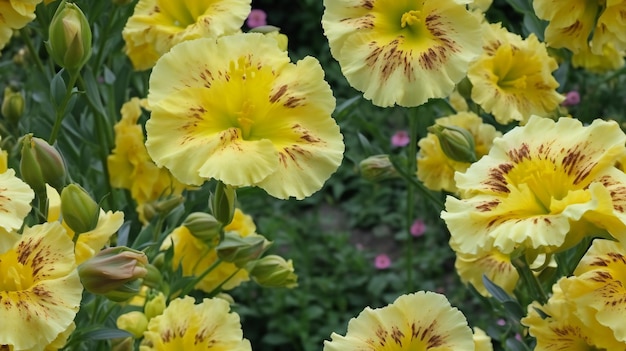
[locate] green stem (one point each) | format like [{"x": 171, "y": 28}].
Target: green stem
[
  {"x": 31, "y": 48},
  {"x": 410, "y": 177},
  {"x": 410, "y": 198},
  {"x": 529, "y": 279},
  {"x": 60, "y": 111},
  {"x": 219, "y": 287},
  {"x": 199, "y": 278}
]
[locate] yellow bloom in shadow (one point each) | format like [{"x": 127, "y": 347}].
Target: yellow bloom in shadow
[
  {"x": 236, "y": 110},
  {"x": 513, "y": 79},
  {"x": 494, "y": 265},
  {"x": 15, "y": 15},
  {"x": 158, "y": 25},
  {"x": 541, "y": 188},
  {"x": 609, "y": 59},
  {"x": 419, "y": 321},
  {"x": 402, "y": 51},
  {"x": 39, "y": 287},
  {"x": 188, "y": 326},
  {"x": 434, "y": 168},
  {"x": 15, "y": 198}
]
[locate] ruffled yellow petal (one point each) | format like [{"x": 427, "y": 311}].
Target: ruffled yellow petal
[
  {"x": 15, "y": 198},
  {"x": 609, "y": 59},
  {"x": 187, "y": 326},
  {"x": 610, "y": 27},
  {"x": 419, "y": 321},
  {"x": 91, "y": 242},
  {"x": 570, "y": 22},
  {"x": 156, "y": 26},
  {"x": 482, "y": 341},
  {"x": 399, "y": 51},
  {"x": 39, "y": 287},
  {"x": 494, "y": 265},
  {"x": 247, "y": 104}
]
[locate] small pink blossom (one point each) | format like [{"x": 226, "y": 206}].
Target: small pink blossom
[
  {"x": 418, "y": 228},
  {"x": 572, "y": 98},
  {"x": 256, "y": 18},
  {"x": 382, "y": 261},
  {"x": 400, "y": 138},
  {"x": 501, "y": 322}
]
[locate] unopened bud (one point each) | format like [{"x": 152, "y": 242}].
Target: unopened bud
[
  {"x": 78, "y": 210},
  {"x": 273, "y": 271},
  {"x": 153, "y": 278},
  {"x": 204, "y": 227},
  {"x": 240, "y": 250},
  {"x": 377, "y": 168},
  {"x": 456, "y": 142},
  {"x": 222, "y": 203},
  {"x": 155, "y": 307},
  {"x": 12, "y": 105},
  {"x": 133, "y": 322},
  {"x": 70, "y": 37},
  {"x": 114, "y": 272},
  {"x": 41, "y": 163}
]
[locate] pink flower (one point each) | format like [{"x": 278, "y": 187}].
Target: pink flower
[
  {"x": 400, "y": 138},
  {"x": 256, "y": 18},
  {"x": 382, "y": 261},
  {"x": 501, "y": 322},
  {"x": 418, "y": 228},
  {"x": 572, "y": 98}
]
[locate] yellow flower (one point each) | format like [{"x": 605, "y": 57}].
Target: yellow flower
[
  {"x": 482, "y": 341},
  {"x": 513, "y": 78},
  {"x": 560, "y": 328},
  {"x": 434, "y": 168},
  {"x": 481, "y": 5},
  {"x": 598, "y": 286},
  {"x": 492, "y": 264},
  {"x": 196, "y": 256},
  {"x": 611, "y": 27},
  {"x": 239, "y": 98},
  {"x": 15, "y": 14},
  {"x": 610, "y": 59},
  {"x": 15, "y": 198},
  {"x": 39, "y": 286},
  {"x": 130, "y": 165},
  {"x": 571, "y": 22},
  {"x": 402, "y": 51},
  {"x": 541, "y": 188},
  {"x": 158, "y": 25},
  {"x": 186, "y": 326},
  {"x": 419, "y": 321},
  {"x": 91, "y": 242}
]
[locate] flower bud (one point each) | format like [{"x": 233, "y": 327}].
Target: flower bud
[
  {"x": 78, "y": 210},
  {"x": 12, "y": 105},
  {"x": 155, "y": 307},
  {"x": 70, "y": 37},
  {"x": 41, "y": 163},
  {"x": 133, "y": 322},
  {"x": 457, "y": 143},
  {"x": 153, "y": 278},
  {"x": 273, "y": 271},
  {"x": 114, "y": 272},
  {"x": 377, "y": 168},
  {"x": 222, "y": 203},
  {"x": 240, "y": 250},
  {"x": 204, "y": 227},
  {"x": 160, "y": 207}
]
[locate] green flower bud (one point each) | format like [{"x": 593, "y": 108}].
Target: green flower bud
[
  {"x": 273, "y": 271},
  {"x": 153, "y": 278},
  {"x": 377, "y": 168},
  {"x": 78, "y": 210},
  {"x": 204, "y": 227},
  {"x": 155, "y": 307},
  {"x": 41, "y": 163},
  {"x": 114, "y": 272},
  {"x": 240, "y": 250},
  {"x": 222, "y": 203},
  {"x": 161, "y": 207},
  {"x": 464, "y": 87},
  {"x": 133, "y": 322},
  {"x": 457, "y": 143},
  {"x": 70, "y": 37},
  {"x": 12, "y": 105}
]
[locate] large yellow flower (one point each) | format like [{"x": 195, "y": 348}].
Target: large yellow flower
[
  {"x": 513, "y": 78},
  {"x": 434, "y": 168},
  {"x": 493, "y": 264},
  {"x": 15, "y": 14},
  {"x": 419, "y": 321},
  {"x": 598, "y": 286},
  {"x": 187, "y": 326},
  {"x": 15, "y": 198},
  {"x": 40, "y": 290},
  {"x": 402, "y": 51},
  {"x": 610, "y": 59},
  {"x": 235, "y": 109},
  {"x": 542, "y": 187},
  {"x": 158, "y": 25}
]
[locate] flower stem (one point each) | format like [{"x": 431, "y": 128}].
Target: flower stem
[
  {"x": 199, "y": 278},
  {"x": 410, "y": 198},
  {"x": 60, "y": 111},
  {"x": 31, "y": 48},
  {"x": 529, "y": 279}
]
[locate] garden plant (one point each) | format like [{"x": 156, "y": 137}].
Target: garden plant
[{"x": 330, "y": 175}]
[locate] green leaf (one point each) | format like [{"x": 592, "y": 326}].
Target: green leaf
[
  {"x": 523, "y": 6},
  {"x": 58, "y": 89},
  {"x": 92, "y": 91},
  {"x": 106, "y": 334},
  {"x": 497, "y": 292}
]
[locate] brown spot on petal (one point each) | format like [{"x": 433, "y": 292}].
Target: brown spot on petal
[
  {"x": 496, "y": 180},
  {"x": 293, "y": 102},
  {"x": 397, "y": 335},
  {"x": 487, "y": 205},
  {"x": 389, "y": 58},
  {"x": 601, "y": 277},
  {"x": 520, "y": 154},
  {"x": 277, "y": 95},
  {"x": 368, "y": 4},
  {"x": 573, "y": 29}
]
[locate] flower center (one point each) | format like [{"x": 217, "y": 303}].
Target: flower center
[
  {"x": 244, "y": 120},
  {"x": 410, "y": 18},
  {"x": 15, "y": 276}
]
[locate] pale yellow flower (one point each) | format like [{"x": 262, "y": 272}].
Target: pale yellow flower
[
  {"x": 419, "y": 321},
  {"x": 513, "y": 78},
  {"x": 15, "y": 14},
  {"x": 158, "y": 25},
  {"x": 39, "y": 287},
  {"x": 15, "y": 198},
  {"x": 481, "y": 5},
  {"x": 610, "y": 59},
  {"x": 570, "y": 22},
  {"x": 482, "y": 341},
  {"x": 492, "y": 264},
  {"x": 434, "y": 168},
  {"x": 402, "y": 51},
  {"x": 610, "y": 27},
  {"x": 541, "y": 188},
  {"x": 239, "y": 98},
  {"x": 187, "y": 326}
]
